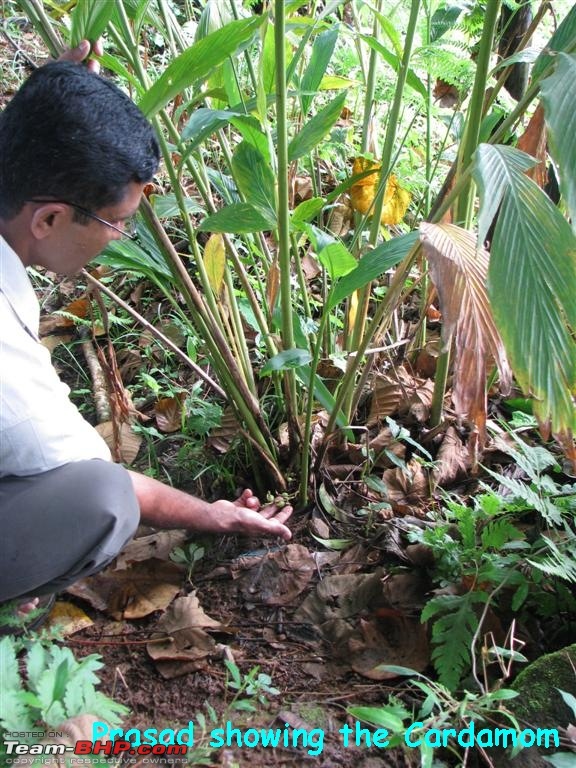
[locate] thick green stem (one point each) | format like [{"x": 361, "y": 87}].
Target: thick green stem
[
  {"x": 393, "y": 122},
  {"x": 440, "y": 379},
  {"x": 34, "y": 9},
  {"x": 306, "y": 439},
  {"x": 464, "y": 208},
  {"x": 387, "y": 155},
  {"x": 370, "y": 84},
  {"x": 384, "y": 310},
  {"x": 284, "y": 252}
]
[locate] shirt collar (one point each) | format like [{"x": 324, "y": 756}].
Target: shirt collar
[{"x": 18, "y": 290}]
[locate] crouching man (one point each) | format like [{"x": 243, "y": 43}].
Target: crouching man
[{"x": 75, "y": 154}]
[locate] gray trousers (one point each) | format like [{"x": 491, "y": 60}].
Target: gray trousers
[{"x": 63, "y": 525}]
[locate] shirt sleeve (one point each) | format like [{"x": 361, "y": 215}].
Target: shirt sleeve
[{"x": 40, "y": 428}]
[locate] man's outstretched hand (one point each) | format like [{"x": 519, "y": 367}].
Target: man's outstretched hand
[
  {"x": 164, "y": 507},
  {"x": 247, "y": 516}
]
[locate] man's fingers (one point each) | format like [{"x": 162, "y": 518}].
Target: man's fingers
[
  {"x": 272, "y": 511},
  {"x": 248, "y": 500},
  {"x": 77, "y": 54},
  {"x": 82, "y": 51}
]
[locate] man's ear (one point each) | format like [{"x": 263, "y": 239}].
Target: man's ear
[{"x": 47, "y": 219}]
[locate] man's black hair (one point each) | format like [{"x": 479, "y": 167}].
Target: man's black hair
[{"x": 69, "y": 134}]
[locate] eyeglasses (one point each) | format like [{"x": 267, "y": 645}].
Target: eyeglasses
[{"x": 129, "y": 232}]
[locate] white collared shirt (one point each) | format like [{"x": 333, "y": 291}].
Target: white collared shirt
[{"x": 40, "y": 428}]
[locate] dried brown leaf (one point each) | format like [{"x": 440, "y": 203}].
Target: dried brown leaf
[
  {"x": 368, "y": 620},
  {"x": 278, "y": 577},
  {"x": 272, "y": 284},
  {"x": 533, "y": 142},
  {"x": 222, "y": 437},
  {"x": 400, "y": 393},
  {"x": 182, "y": 644},
  {"x": 459, "y": 270},
  {"x": 129, "y": 441},
  {"x": 134, "y": 592},
  {"x": 51, "y": 342},
  {"x": 452, "y": 460},
  {"x": 168, "y": 411},
  {"x": 407, "y": 488},
  {"x": 387, "y": 393},
  {"x": 156, "y": 545}
]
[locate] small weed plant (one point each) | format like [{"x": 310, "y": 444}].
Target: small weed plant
[
  {"x": 48, "y": 688},
  {"x": 252, "y": 688},
  {"x": 440, "y": 709}
]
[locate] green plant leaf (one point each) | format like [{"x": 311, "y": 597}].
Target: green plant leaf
[
  {"x": 569, "y": 700},
  {"x": 528, "y": 55},
  {"x": 106, "y": 708},
  {"x": 322, "y": 51},
  {"x": 130, "y": 256},
  {"x": 89, "y": 20},
  {"x": 412, "y": 79},
  {"x": 563, "y": 39},
  {"x": 289, "y": 358},
  {"x": 337, "y": 260},
  {"x": 336, "y": 544},
  {"x": 15, "y": 714},
  {"x": 254, "y": 178},
  {"x": 306, "y": 211},
  {"x": 324, "y": 397},
  {"x": 336, "y": 83},
  {"x": 494, "y": 167},
  {"x": 167, "y": 206},
  {"x": 316, "y": 128},
  {"x": 250, "y": 130},
  {"x": 113, "y": 64},
  {"x": 35, "y": 663},
  {"x": 238, "y": 218},
  {"x": 373, "y": 265},
  {"x": 561, "y": 760},
  {"x": 197, "y": 62},
  {"x": 378, "y": 716},
  {"x": 444, "y": 19},
  {"x": 559, "y": 97},
  {"x": 532, "y": 283},
  {"x": 9, "y": 677},
  {"x": 203, "y": 123}
]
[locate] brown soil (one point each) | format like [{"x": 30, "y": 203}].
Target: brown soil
[{"x": 307, "y": 698}]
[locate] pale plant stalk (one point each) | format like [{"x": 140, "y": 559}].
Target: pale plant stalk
[
  {"x": 465, "y": 201},
  {"x": 382, "y": 317},
  {"x": 475, "y": 111},
  {"x": 388, "y": 149}
]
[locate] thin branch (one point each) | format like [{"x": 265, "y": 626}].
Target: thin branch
[{"x": 164, "y": 340}]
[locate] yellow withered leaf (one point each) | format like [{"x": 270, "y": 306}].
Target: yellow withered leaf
[
  {"x": 215, "y": 261},
  {"x": 363, "y": 191}
]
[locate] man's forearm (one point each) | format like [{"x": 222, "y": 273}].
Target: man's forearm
[{"x": 164, "y": 507}]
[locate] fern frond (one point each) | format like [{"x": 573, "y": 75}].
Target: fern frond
[
  {"x": 498, "y": 533},
  {"x": 452, "y": 634},
  {"x": 520, "y": 491},
  {"x": 561, "y": 562}
]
